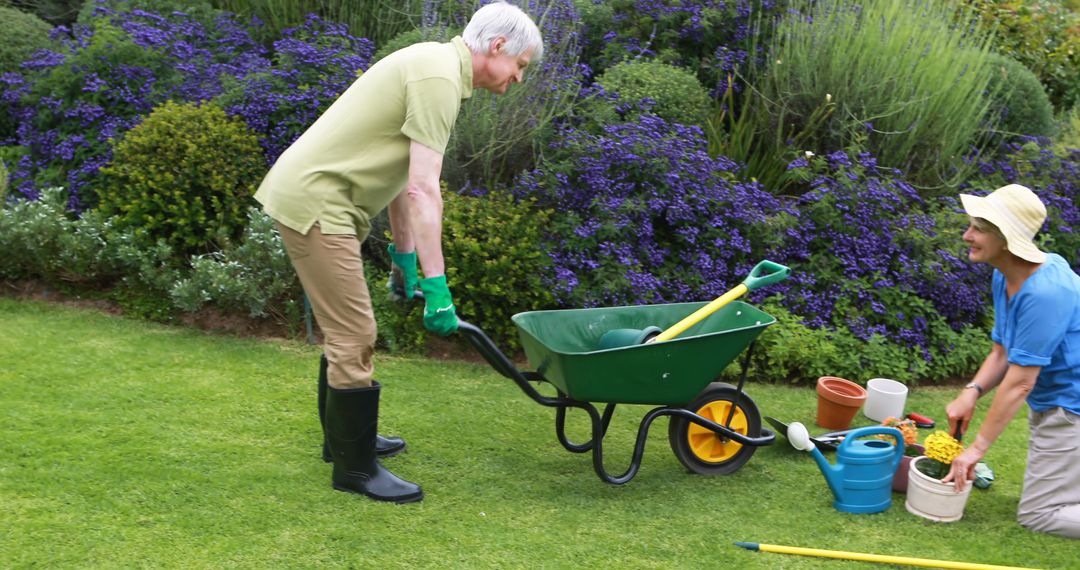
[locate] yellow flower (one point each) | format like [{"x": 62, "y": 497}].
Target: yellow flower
[{"x": 941, "y": 447}]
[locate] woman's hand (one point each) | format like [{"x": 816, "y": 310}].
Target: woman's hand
[
  {"x": 960, "y": 410},
  {"x": 963, "y": 468}
]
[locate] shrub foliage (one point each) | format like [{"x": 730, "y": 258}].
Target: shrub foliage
[
  {"x": 23, "y": 35},
  {"x": 646, "y": 216},
  {"x": 1020, "y": 101},
  {"x": 185, "y": 175},
  {"x": 676, "y": 94},
  {"x": 895, "y": 76},
  {"x": 495, "y": 264}
]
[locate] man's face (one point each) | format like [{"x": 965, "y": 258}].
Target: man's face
[{"x": 503, "y": 69}]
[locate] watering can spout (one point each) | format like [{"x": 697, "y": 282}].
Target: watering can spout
[{"x": 834, "y": 474}]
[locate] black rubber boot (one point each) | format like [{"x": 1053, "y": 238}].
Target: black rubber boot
[
  {"x": 384, "y": 446},
  {"x": 352, "y": 421}
]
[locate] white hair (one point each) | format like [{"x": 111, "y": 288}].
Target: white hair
[{"x": 500, "y": 19}]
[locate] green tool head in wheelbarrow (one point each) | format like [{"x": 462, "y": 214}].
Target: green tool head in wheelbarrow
[{"x": 562, "y": 347}]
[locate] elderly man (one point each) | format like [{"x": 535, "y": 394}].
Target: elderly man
[{"x": 381, "y": 145}]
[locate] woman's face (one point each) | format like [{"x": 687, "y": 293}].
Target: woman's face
[{"x": 983, "y": 245}]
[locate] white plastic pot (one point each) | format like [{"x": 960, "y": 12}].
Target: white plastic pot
[
  {"x": 884, "y": 399},
  {"x": 931, "y": 499}
]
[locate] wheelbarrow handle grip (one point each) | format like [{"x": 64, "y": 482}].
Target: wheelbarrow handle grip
[{"x": 766, "y": 273}]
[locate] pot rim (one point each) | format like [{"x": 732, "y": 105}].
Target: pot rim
[
  {"x": 914, "y": 472},
  {"x": 841, "y": 391}
]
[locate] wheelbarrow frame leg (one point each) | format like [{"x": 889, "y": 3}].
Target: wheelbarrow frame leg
[{"x": 600, "y": 422}]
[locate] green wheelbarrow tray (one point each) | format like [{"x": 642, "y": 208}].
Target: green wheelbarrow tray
[{"x": 562, "y": 346}]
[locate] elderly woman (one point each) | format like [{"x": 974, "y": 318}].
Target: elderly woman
[{"x": 1035, "y": 357}]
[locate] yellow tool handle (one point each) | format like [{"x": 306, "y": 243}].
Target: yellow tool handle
[
  {"x": 696, "y": 317},
  {"x": 881, "y": 558}
]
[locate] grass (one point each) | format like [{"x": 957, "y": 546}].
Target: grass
[{"x": 128, "y": 444}]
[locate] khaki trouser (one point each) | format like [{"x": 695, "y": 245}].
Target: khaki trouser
[
  {"x": 1050, "y": 501},
  {"x": 332, "y": 273}
]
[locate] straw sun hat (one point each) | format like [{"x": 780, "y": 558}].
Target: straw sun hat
[{"x": 1017, "y": 212}]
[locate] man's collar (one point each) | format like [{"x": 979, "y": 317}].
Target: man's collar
[{"x": 466, "y": 66}]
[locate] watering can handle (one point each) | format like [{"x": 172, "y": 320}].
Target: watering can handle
[
  {"x": 875, "y": 430},
  {"x": 765, "y": 273}
]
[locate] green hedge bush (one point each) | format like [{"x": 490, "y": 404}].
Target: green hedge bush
[
  {"x": 678, "y": 95},
  {"x": 23, "y": 35},
  {"x": 186, "y": 175},
  {"x": 3, "y": 183},
  {"x": 1019, "y": 99},
  {"x": 495, "y": 264}
]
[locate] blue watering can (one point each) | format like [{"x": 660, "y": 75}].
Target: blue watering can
[{"x": 861, "y": 480}]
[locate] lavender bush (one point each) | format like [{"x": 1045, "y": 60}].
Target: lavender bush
[
  {"x": 1053, "y": 173},
  {"x": 313, "y": 65},
  {"x": 108, "y": 75},
  {"x": 877, "y": 259},
  {"x": 647, "y": 216},
  {"x": 712, "y": 38}
]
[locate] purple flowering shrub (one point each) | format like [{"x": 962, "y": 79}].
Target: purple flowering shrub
[
  {"x": 874, "y": 258},
  {"x": 647, "y": 216},
  {"x": 313, "y": 65},
  {"x": 710, "y": 37},
  {"x": 109, "y": 74},
  {"x": 1054, "y": 175}
]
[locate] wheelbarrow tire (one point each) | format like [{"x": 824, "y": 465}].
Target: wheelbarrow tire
[{"x": 705, "y": 452}]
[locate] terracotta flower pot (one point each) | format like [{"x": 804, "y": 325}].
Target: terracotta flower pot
[
  {"x": 931, "y": 499},
  {"x": 900, "y": 478},
  {"x": 838, "y": 402}
]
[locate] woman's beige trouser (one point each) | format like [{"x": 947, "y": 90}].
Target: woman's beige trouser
[{"x": 1050, "y": 501}]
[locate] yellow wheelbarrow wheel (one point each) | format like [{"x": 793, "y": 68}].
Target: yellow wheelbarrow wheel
[{"x": 705, "y": 451}]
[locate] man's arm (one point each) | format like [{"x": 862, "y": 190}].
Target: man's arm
[
  {"x": 400, "y": 223},
  {"x": 423, "y": 208}
]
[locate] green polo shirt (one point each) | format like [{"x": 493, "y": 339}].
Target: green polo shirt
[{"x": 354, "y": 159}]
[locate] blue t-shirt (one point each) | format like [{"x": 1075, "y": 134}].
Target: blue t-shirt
[{"x": 1040, "y": 326}]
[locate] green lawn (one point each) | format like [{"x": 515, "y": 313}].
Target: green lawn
[{"x": 127, "y": 444}]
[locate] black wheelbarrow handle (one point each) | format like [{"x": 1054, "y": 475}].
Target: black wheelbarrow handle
[
  {"x": 487, "y": 348},
  {"x": 483, "y": 344}
]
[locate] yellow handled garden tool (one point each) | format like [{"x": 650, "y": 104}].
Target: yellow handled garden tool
[{"x": 764, "y": 273}]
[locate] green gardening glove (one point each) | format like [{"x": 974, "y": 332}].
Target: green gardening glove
[
  {"x": 403, "y": 277},
  {"x": 440, "y": 316}
]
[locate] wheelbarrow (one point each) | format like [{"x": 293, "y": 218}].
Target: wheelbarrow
[{"x": 714, "y": 427}]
